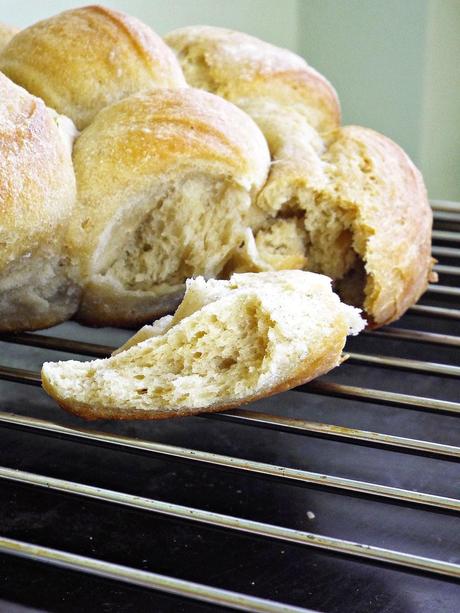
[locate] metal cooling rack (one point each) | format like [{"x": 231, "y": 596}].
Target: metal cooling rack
[{"x": 419, "y": 350}]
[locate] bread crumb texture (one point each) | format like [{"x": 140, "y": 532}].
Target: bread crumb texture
[{"x": 228, "y": 342}]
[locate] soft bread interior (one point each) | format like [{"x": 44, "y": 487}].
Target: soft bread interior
[
  {"x": 228, "y": 341},
  {"x": 300, "y": 220},
  {"x": 190, "y": 229},
  {"x": 315, "y": 233}
]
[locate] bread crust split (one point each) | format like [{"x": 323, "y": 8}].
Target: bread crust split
[{"x": 229, "y": 343}]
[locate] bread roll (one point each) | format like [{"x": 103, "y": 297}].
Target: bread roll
[
  {"x": 165, "y": 181},
  {"x": 242, "y": 68},
  {"x": 230, "y": 342},
  {"x": 84, "y": 59},
  {"x": 346, "y": 202},
  {"x": 6, "y": 34},
  {"x": 366, "y": 222},
  {"x": 37, "y": 195}
]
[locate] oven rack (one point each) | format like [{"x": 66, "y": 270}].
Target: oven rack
[{"x": 445, "y": 214}]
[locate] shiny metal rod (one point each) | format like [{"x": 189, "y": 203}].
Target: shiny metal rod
[
  {"x": 446, "y": 290},
  {"x": 446, "y": 216},
  {"x": 341, "y": 433},
  {"x": 19, "y": 375},
  {"x": 447, "y": 270},
  {"x": 450, "y": 252},
  {"x": 265, "y": 469},
  {"x": 434, "y": 368},
  {"x": 58, "y": 344},
  {"x": 416, "y": 335},
  {"x": 380, "y": 396},
  {"x": 445, "y": 205},
  {"x": 235, "y": 523},
  {"x": 142, "y": 578},
  {"x": 446, "y": 235},
  {"x": 434, "y": 311}
]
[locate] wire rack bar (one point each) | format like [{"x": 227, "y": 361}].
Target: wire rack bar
[
  {"x": 404, "y": 364},
  {"x": 352, "y": 435},
  {"x": 450, "y": 252},
  {"x": 446, "y": 216},
  {"x": 58, "y": 344},
  {"x": 416, "y": 335},
  {"x": 446, "y": 235},
  {"x": 142, "y": 578},
  {"x": 261, "y": 468},
  {"x": 447, "y": 270},
  {"x": 445, "y": 205},
  {"x": 434, "y": 311},
  {"x": 392, "y": 398},
  {"x": 70, "y": 346},
  {"x": 219, "y": 520},
  {"x": 446, "y": 290},
  {"x": 245, "y": 417},
  {"x": 17, "y": 375}
]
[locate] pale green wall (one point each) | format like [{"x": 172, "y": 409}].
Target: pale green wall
[
  {"x": 274, "y": 20},
  {"x": 396, "y": 67},
  {"x": 372, "y": 51},
  {"x": 440, "y": 142},
  {"x": 394, "y": 63}
]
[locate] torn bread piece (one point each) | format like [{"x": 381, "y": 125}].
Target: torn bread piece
[{"x": 229, "y": 342}]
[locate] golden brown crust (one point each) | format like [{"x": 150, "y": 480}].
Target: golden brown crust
[
  {"x": 84, "y": 59},
  {"x": 394, "y": 219},
  {"x": 37, "y": 196},
  {"x": 240, "y": 67},
  {"x": 37, "y": 184},
  {"x": 6, "y": 34},
  {"x": 128, "y": 160},
  {"x": 328, "y": 356},
  {"x": 150, "y": 138},
  {"x": 369, "y": 177}
]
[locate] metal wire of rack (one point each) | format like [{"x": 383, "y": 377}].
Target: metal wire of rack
[{"x": 441, "y": 376}]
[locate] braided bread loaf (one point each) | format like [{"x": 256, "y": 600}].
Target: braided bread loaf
[{"x": 174, "y": 181}]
